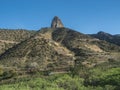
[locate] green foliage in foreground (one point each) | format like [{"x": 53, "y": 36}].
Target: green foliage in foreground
[
  {"x": 80, "y": 78},
  {"x": 110, "y": 77},
  {"x": 55, "y": 82},
  {"x": 60, "y": 82}
]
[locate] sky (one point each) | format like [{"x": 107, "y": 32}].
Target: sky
[{"x": 85, "y": 16}]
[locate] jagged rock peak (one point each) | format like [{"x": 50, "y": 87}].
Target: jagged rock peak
[{"x": 56, "y": 23}]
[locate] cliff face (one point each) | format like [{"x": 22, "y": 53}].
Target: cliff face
[{"x": 56, "y": 23}]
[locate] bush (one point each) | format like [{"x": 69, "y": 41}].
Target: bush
[
  {"x": 110, "y": 77},
  {"x": 1, "y": 71},
  {"x": 9, "y": 74},
  {"x": 69, "y": 83}
]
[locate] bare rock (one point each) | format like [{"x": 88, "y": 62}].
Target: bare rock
[{"x": 56, "y": 23}]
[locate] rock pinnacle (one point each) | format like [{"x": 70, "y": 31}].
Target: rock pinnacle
[{"x": 56, "y": 23}]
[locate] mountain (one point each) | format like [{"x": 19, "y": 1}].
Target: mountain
[
  {"x": 55, "y": 57},
  {"x": 117, "y": 35},
  {"x": 115, "y": 39},
  {"x": 59, "y": 49},
  {"x": 39, "y": 49}
]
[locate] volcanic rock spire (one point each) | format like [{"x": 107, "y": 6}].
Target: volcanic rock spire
[{"x": 56, "y": 23}]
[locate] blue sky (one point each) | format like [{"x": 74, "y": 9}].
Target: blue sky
[{"x": 86, "y": 16}]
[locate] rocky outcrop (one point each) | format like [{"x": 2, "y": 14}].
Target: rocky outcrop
[{"x": 56, "y": 23}]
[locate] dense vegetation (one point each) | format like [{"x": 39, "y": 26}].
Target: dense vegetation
[{"x": 87, "y": 79}]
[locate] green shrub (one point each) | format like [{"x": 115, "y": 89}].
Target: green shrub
[
  {"x": 110, "y": 77},
  {"x": 1, "y": 71},
  {"x": 69, "y": 83},
  {"x": 9, "y": 74}
]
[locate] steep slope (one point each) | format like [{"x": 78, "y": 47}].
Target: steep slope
[
  {"x": 59, "y": 49},
  {"x": 69, "y": 38},
  {"x": 86, "y": 49},
  {"x": 56, "y": 23},
  {"x": 73, "y": 39},
  {"x": 38, "y": 49},
  {"x": 115, "y": 39}
]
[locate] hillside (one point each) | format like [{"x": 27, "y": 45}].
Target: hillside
[
  {"x": 115, "y": 39},
  {"x": 39, "y": 50},
  {"x": 16, "y": 35},
  {"x": 51, "y": 52},
  {"x": 88, "y": 50},
  {"x": 9, "y": 38},
  {"x": 56, "y": 47},
  {"x": 58, "y": 58}
]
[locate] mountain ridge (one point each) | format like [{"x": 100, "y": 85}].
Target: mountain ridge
[
  {"x": 57, "y": 47},
  {"x": 48, "y": 43},
  {"x": 115, "y": 39},
  {"x": 56, "y": 57}
]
